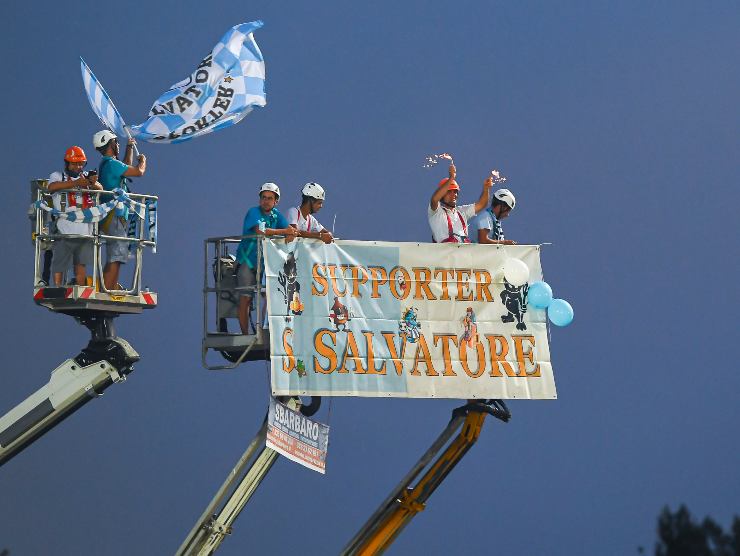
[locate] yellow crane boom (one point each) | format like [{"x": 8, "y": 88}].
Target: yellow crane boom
[{"x": 406, "y": 500}]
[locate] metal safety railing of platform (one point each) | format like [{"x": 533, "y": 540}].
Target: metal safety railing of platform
[
  {"x": 220, "y": 282},
  {"x": 45, "y": 233}
]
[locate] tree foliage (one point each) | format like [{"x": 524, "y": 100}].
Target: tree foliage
[{"x": 680, "y": 535}]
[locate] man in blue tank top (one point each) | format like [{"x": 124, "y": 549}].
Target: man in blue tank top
[{"x": 112, "y": 174}]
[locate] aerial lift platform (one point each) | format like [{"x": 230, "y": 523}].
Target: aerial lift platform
[
  {"x": 220, "y": 293},
  {"x": 403, "y": 503},
  {"x": 107, "y": 359},
  {"x": 220, "y": 304}
]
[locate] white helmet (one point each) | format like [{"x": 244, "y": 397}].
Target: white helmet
[
  {"x": 269, "y": 186},
  {"x": 313, "y": 190},
  {"x": 506, "y": 196},
  {"x": 101, "y": 138}
]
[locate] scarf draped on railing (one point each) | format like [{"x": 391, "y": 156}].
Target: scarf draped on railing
[
  {"x": 97, "y": 213},
  {"x": 146, "y": 211},
  {"x": 149, "y": 222}
]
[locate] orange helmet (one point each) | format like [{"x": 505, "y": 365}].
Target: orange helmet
[
  {"x": 75, "y": 154},
  {"x": 452, "y": 187}
]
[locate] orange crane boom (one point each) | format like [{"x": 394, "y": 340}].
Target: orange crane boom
[{"x": 405, "y": 501}]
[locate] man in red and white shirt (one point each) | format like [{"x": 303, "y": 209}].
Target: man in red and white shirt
[
  {"x": 449, "y": 222},
  {"x": 302, "y": 218},
  {"x": 72, "y": 252}
]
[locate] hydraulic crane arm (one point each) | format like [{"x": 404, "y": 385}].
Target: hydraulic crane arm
[
  {"x": 215, "y": 522},
  {"x": 219, "y": 516},
  {"x": 405, "y": 501},
  {"x": 105, "y": 361}
]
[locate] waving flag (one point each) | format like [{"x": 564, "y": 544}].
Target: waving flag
[
  {"x": 101, "y": 103},
  {"x": 223, "y": 89}
]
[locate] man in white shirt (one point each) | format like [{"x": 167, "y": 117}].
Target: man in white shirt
[
  {"x": 72, "y": 252},
  {"x": 449, "y": 223},
  {"x": 302, "y": 218}
]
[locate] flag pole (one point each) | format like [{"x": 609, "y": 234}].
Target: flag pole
[
  {"x": 127, "y": 129},
  {"x": 106, "y": 113}
]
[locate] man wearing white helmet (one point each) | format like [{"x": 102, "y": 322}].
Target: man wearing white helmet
[
  {"x": 302, "y": 217},
  {"x": 113, "y": 174},
  {"x": 266, "y": 220},
  {"x": 486, "y": 226}
]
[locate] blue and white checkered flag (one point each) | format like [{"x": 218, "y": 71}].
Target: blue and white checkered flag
[
  {"x": 222, "y": 90},
  {"x": 101, "y": 103}
]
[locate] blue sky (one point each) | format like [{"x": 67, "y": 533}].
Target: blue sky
[{"x": 617, "y": 126}]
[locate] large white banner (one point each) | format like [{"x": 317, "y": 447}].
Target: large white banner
[{"x": 418, "y": 320}]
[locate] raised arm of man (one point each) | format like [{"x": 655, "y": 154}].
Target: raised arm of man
[
  {"x": 485, "y": 195},
  {"x": 140, "y": 168},
  {"x": 442, "y": 191}
]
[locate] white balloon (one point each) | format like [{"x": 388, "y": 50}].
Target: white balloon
[{"x": 516, "y": 272}]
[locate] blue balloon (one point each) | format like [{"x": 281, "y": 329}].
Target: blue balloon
[
  {"x": 539, "y": 295},
  {"x": 560, "y": 312}
]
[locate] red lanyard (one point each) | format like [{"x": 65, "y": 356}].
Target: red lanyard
[{"x": 451, "y": 238}]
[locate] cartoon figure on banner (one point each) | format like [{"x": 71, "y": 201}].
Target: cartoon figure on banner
[
  {"x": 409, "y": 325},
  {"x": 296, "y": 306},
  {"x": 470, "y": 328},
  {"x": 402, "y": 284},
  {"x": 515, "y": 301},
  {"x": 290, "y": 287},
  {"x": 301, "y": 368},
  {"x": 339, "y": 316}
]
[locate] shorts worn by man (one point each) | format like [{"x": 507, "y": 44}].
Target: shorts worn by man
[
  {"x": 76, "y": 253},
  {"x": 449, "y": 222},
  {"x": 267, "y": 220},
  {"x": 113, "y": 173}
]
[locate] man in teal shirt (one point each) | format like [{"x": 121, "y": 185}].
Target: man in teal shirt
[
  {"x": 266, "y": 220},
  {"x": 112, "y": 173}
]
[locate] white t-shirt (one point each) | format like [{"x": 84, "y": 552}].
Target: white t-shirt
[
  {"x": 65, "y": 226},
  {"x": 308, "y": 224},
  {"x": 440, "y": 226}
]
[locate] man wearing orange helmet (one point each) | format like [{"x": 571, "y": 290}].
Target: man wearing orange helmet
[
  {"x": 449, "y": 222},
  {"x": 76, "y": 252}
]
